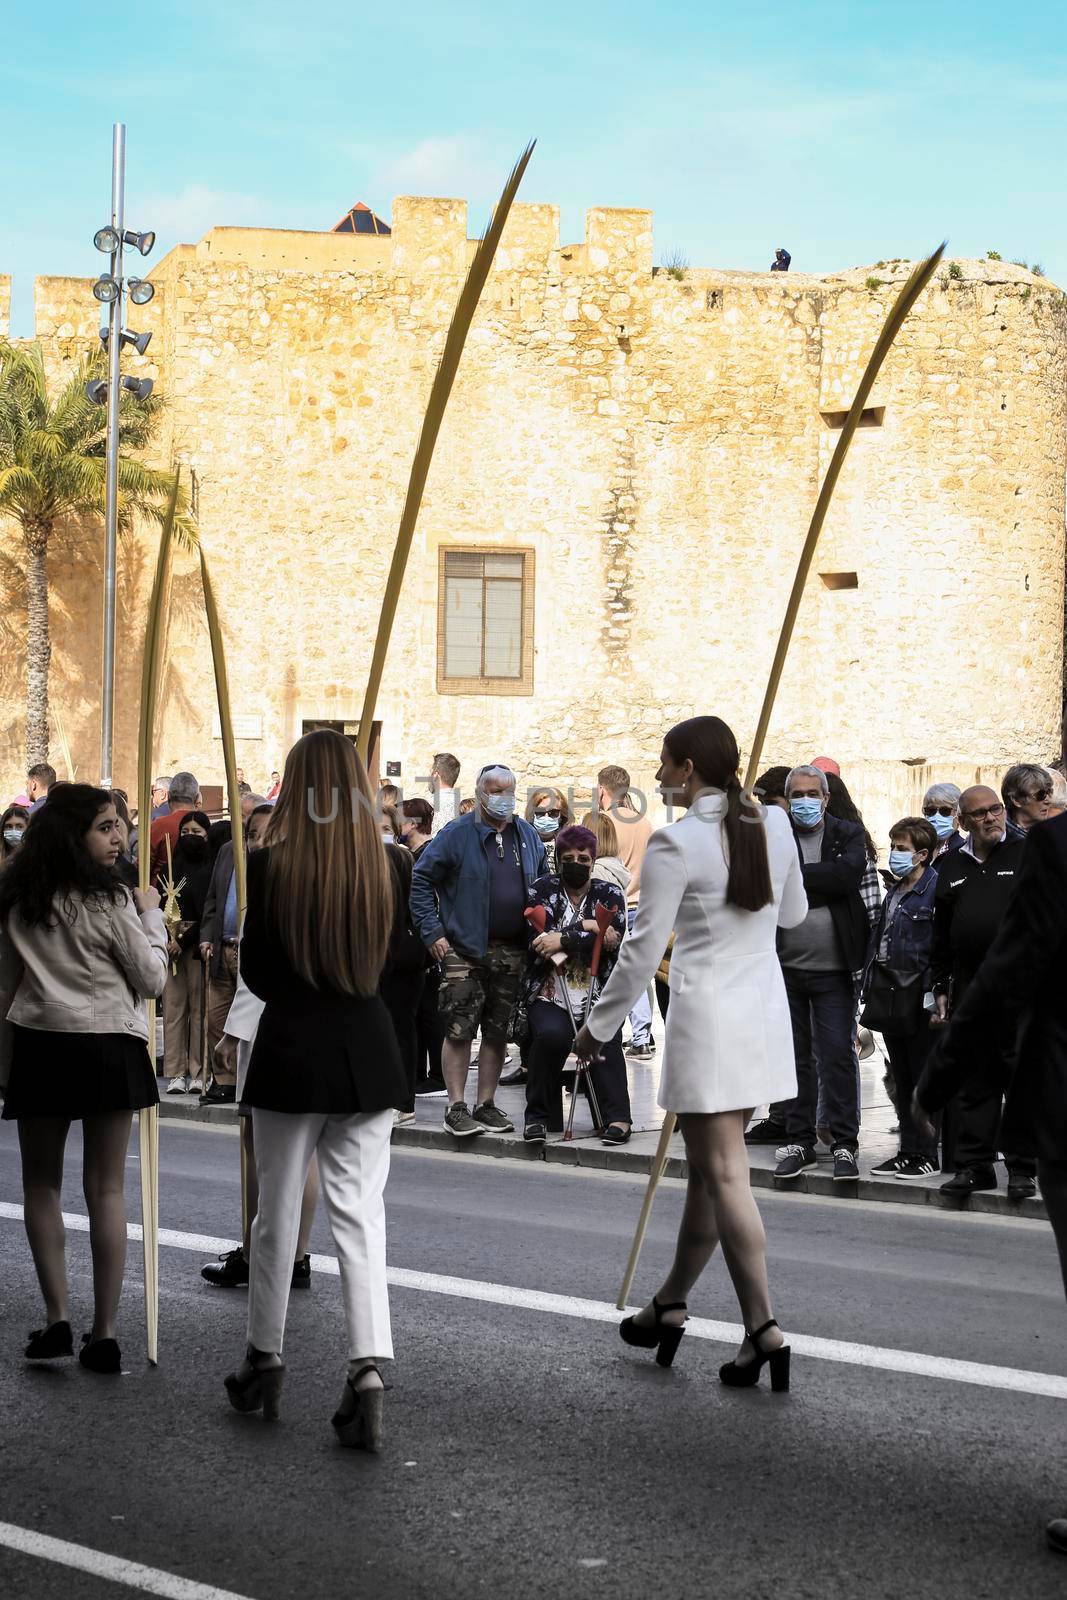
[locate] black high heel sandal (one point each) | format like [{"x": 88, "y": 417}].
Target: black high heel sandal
[
  {"x": 260, "y": 1389},
  {"x": 100, "y": 1355},
  {"x": 360, "y": 1426},
  {"x": 49, "y": 1343},
  {"x": 663, "y": 1337},
  {"x": 746, "y": 1375}
]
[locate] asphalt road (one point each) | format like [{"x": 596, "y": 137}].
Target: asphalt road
[{"x": 531, "y": 1453}]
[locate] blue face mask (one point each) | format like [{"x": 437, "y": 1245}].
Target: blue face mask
[
  {"x": 942, "y": 826},
  {"x": 499, "y": 805},
  {"x": 807, "y": 812},
  {"x": 546, "y": 826},
  {"x": 901, "y": 862}
]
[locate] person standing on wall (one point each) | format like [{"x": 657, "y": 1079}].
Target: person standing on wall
[
  {"x": 723, "y": 878},
  {"x": 79, "y": 954},
  {"x": 634, "y": 831},
  {"x": 325, "y": 1073}
]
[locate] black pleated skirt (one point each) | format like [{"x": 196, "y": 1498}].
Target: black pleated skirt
[{"x": 75, "y": 1075}]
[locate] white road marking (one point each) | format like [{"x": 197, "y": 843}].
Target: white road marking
[
  {"x": 1012, "y": 1379},
  {"x": 113, "y": 1568}
]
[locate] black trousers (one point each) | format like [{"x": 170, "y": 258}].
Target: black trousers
[
  {"x": 551, "y": 1037},
  {"x": 822, "y": 1008},
  {"x": 979, "y": 1107},
  {"x": 907, "y": 1054},
  {"x": 430, "y": 1030},
  {"x": 401, "y": 992}
]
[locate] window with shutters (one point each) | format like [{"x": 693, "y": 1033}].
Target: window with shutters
[{"x": 485, "y": 621}]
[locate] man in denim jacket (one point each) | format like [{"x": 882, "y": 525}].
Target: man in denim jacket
[{"x": 468, "y": 895}]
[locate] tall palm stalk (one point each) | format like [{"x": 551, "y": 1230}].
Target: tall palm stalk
[{"x": 52, "y": 470}]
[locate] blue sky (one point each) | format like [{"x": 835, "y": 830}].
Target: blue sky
[{"x": 850, "y": 133}]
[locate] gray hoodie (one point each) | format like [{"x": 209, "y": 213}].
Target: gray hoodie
[{"x": 609, "y": 869}]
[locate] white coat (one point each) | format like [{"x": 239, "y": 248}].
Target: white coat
[
  {"x": 242, "y": 1024},
  {"x": 729, "y": 1043}
]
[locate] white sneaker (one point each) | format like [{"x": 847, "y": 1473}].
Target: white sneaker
[
  {"x": 195, "y": 1086},
  {"x": 178, "y": 1085},
  {"x": 402, "y": 1118}
]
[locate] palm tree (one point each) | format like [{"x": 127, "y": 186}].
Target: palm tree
[{"x": 52, "y": 469}]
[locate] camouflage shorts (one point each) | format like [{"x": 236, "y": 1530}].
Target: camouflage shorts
[{"x": 480, "y": 994}]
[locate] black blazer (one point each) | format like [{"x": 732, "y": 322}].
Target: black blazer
[
  {"x": 215, "y": 906},
  {"x": 316, "y": 1050},
  {"x": 1021, "y": 978}
]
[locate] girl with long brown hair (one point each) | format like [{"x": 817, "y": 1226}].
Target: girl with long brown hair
[
  {"x": 325, "y": 1073},
  {"x": 723, "y": 879}
]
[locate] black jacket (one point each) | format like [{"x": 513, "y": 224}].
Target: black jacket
[
  {"x": 215, "y": 906},
  {"x": 969, "y": 905},
  {"x": 316, "y": 1050},
  {"x": 834, "y": 881},
  {"x": 1021, "y": 978}
]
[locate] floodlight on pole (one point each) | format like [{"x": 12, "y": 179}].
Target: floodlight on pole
[
  {"x": 107, "y": 240},
  {"x": 140, "y": 388},
  {"x": 107, "y": 288},
  {"x": 140, "y": 290},
  {"x": 139, "y": 341},
  {"x": 96, "y": 389},
  {"x": 139, "y": 241}
]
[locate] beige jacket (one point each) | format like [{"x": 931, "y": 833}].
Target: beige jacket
[{"x": 86, "y": 975}]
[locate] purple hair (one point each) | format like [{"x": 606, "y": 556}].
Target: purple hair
[{"x": 575, "y": 837}]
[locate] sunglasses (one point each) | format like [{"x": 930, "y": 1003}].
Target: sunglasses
[
  {"x": 939, "y": 811},
  {"x": 547, "y": 811}
]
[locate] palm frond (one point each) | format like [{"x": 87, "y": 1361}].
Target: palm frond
[
  {"x": 431, "y": 427},
  {"x": 229, "y": 750},
  {"x": 905, "y": 300}
]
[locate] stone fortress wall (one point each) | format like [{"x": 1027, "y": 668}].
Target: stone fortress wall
[{"x": 657, "y": 443}]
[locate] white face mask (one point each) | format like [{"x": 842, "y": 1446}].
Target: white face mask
[{"x": 13, "y": 836}]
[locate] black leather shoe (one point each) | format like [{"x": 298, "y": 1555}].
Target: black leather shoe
[
  {"x": 517, "y": 1076},
  {"x": 49, "y": 1343},
  {"x": 969, "y": 1180},
  {"x": 220, "y": 1094},
  {"x": 302, "y": 1273},
  {"x": 613, "y": 1134},
  {"x": 230, "y": 1271},
  {"x": 1021, "y": 1184},
  {"x": 101, "y": 1355},
  {"x": 1056, "y": 1534},
  {"x": 767, "y": 1132},
  {"x": 535, "y": 1133}
]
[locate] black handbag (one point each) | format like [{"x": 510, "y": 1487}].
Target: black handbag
[{"x": 894, "y": 1002}]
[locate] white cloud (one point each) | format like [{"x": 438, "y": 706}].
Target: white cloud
[
  {"x": 185, "y": 217},
  {"x": 458, "y": 166}
]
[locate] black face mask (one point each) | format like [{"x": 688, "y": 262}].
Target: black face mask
[
  {"x": 193, "y": 846},
  {"x": 575, "y": 874}
]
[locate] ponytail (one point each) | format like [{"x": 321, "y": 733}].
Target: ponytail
[{"x": 749, "y": 884}]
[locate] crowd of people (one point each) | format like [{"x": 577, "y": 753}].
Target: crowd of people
[{"x": 385, "y": 936}]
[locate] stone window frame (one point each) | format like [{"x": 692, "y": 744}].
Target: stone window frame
[{"x": 524, "y": 683}]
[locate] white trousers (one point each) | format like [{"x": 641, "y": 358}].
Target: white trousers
[{"x": 353, "y": 1167}]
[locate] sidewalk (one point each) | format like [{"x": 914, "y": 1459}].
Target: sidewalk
[{"x": 586, "y": 1150}]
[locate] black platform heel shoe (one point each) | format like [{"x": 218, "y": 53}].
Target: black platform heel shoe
[
  {"x": 49, "y": 1343},
  {"x": 746, "y": 1376},
  {"x": 358, "y": 1423},
  {"x": 259, "y": 1389},
  {"x": 100, "y": 1355},
  {"x": 663, "y": 1337}
]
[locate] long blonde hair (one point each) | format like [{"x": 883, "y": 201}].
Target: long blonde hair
[
  {"x": 607, "y": 836},
  {"x": 329, "y": 888}
]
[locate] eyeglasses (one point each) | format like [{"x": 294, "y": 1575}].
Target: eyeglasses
[
  {"x": 986, "y": 811},
  {"x": 547, "y": 811},
  {"x": 939, "y": 811}
]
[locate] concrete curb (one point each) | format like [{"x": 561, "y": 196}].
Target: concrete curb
[{"x": 585, "y": 1152}]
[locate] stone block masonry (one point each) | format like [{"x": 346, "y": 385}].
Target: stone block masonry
[{"x": 657, "y": 444}]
